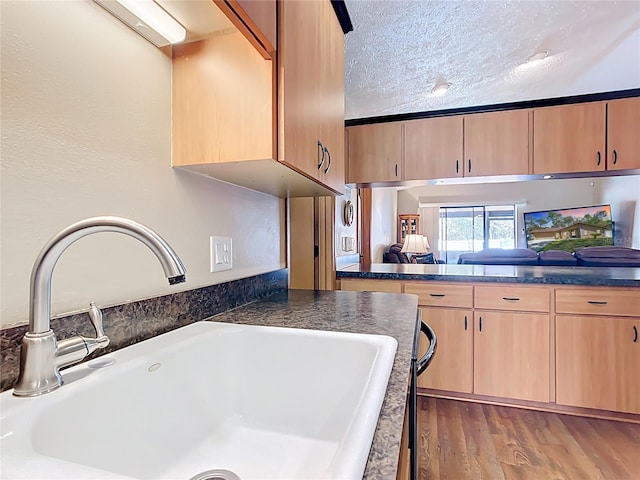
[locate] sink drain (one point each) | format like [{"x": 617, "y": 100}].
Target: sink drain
[{"x": 217, "y": 474}]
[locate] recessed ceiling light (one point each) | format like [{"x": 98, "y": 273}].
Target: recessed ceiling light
[
  {"x": 441, "y": 87},
  {"x": 537, "y": 56}
]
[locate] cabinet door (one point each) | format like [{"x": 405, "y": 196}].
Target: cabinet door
[
  {"x": 511, "y": 355},
  {"x": 496, "y": 143},
  {"x": 569, "y": 138},
  {"x": 433, "y": 148},
  {"x": 331, "y": 105},
  {"x": 597, "y": 362},
  {"x": 299, "y": 67},
  {"x": 375, "y": 153},
  {"x": 452, "y": 366},
  {"x": 623, "y": 141}
]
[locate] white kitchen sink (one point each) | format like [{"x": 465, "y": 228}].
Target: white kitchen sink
[{"x": 261, "y": 402}]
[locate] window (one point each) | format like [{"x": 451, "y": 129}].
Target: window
[{"x": 471, "y": 229}]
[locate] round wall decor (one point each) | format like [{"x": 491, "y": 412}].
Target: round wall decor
[{"x": 347, "y": 213}]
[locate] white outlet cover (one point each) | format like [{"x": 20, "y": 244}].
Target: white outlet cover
[{"x": 220, "y": 253}]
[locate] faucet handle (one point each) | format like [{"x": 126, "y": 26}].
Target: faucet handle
[{"x": 95, "y": 314}]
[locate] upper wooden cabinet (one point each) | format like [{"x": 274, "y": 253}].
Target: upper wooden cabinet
[
  {"x": 484, "y": 144},
  {"x": 569, "y": 138},
  {"x": 311, "y": 91},
  {"x": 496, "y": 143},
  {"x": 623, "y": 140},
  {"x": 375, "y": 153},
  {"x": 433, "y": 148},
  {"x": 582, "y": 137},
  {"x": 587, "y": 137},
  {"x": 227, "y": 90}
]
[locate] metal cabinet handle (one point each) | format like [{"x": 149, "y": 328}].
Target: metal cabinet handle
[
  {"x": 597, "y": 302},
  {"x": 615, "y": 156},
  {"x": 469, "y": 165},
  {"x": 440, "y": 295},
  {"x": 599, "y": 157},
  {"x": 465, "y": 323},
  {"x": 396, "y": 170},
  {"x": 457, "y": 166},
  {"x": 326, "y": 150},
  {"x": 321, "y": 150},
  {"x": 511, "y": 299},
  {"x": 423, "y": 363},
  {"x": 635, "y": 334},
  {"x": 480, "y": 323}
]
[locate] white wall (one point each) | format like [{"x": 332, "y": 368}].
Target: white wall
[
  {"x": 535, "y": 195},
  {"x": 623, "y": 193},
  {"x": 86, "y": 126},
  {"x": 384, "y": 229}
]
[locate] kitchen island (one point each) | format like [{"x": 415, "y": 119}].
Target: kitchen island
[
  {"x": 563, "y": 339},
  {"x": 372, "y": 313},
  {"x": 603, "y": 276}
]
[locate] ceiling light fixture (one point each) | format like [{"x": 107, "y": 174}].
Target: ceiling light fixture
[
  {"x": 441, "y": 87},
  {"x": 148, "y": 19},
  {"x": 536, "y": 57}
]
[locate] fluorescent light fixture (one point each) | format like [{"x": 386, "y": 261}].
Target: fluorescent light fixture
[{"x": 148, "y": 19}]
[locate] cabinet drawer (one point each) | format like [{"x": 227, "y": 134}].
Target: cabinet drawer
[
  {"x": 598, "y": 301},
  {"x": 441, "y": 295},
  {"x": 507, "y": 297},
  {"x": 367, "y": 285}
]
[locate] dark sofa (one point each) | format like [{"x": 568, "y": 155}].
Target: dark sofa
[{"x": 587, "y": 257}]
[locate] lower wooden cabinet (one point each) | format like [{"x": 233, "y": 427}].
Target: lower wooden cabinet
[
  {"x": 567, "y": 347},
  {"x": 511, "y": 355},
  {"x": 598, "y": 362},
  {"x": 452, "y": 366}
]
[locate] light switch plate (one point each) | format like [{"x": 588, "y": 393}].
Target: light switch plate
[{"x": 221, "y": 253}]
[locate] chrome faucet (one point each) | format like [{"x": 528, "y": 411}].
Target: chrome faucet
[{"x": 41, "y": 355}]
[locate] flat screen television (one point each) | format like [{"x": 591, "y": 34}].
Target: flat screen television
[{"x": 569, "y": 228}]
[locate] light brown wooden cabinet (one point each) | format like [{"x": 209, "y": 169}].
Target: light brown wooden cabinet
[
  {"x": 434, "y": 148},
  {"x": 563, "y": 347},
  {"x": 598, "y": 348},
  {"x": 511, "y": 355},
  {"x": 597, "y": 361},
  {"x": 587, "y": 137},
  {"x": 452, "y": 367},
  {"x": 496, "y": 143},
  {"x": 375, "y": 153},
  {"x": 224, "y": 118},
  {"x": 484, "y": 144},
  {"x": 623, "y": 140},
  {"x": 311, "y": 92},
  {"x": 569, "y": 138}
]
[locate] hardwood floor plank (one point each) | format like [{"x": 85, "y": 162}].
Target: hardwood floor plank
[
  {"x": 483, "y": 459},
  {"x": 471, "y": 441},
  {"x": 428, "y": 447},
  {"x": 454, "y": 462},
  {"x": 599, "y": 449}
]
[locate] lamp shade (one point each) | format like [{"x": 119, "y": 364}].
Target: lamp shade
[{"x": 415, "y": 244}]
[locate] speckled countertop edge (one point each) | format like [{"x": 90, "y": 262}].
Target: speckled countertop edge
[
  {"x": 358, "y": 312},
  {"x": 587, "y": 276}
]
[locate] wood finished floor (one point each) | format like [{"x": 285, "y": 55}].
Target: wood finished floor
[{"x": 463, "y": 440}]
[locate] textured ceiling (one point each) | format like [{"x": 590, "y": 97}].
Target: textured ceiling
[{"x": 399, "y": 49}]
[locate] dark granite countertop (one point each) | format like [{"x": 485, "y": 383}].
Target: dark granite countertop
[
  {"x": 358, "y": 312},
  {"x": 600, "y": 276}
]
